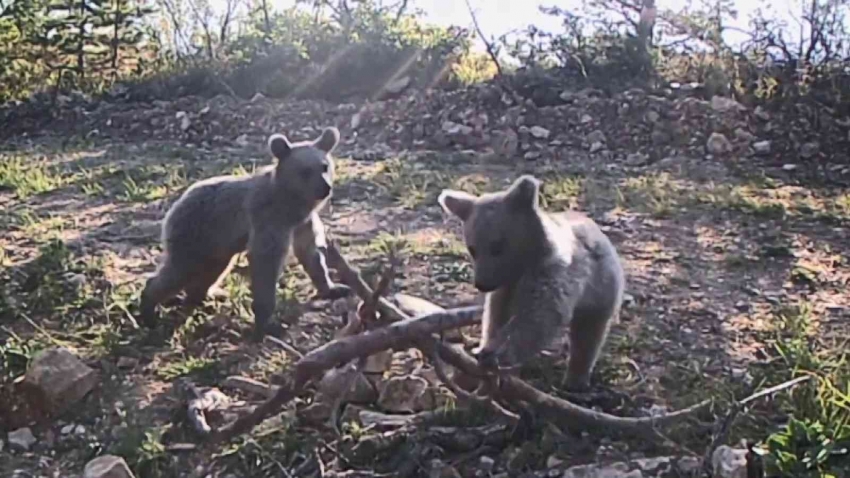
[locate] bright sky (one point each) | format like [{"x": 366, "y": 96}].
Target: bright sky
[{"x": 497, "y": 17}]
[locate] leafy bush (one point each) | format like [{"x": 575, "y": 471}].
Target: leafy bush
[{"x": 816, "y": 440}]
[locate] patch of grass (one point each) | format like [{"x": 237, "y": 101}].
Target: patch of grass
[
  {"x": 561, "y": 193},
  {"x": 815, "y": 441},
  {"x": 659, "y": 194},
  {"x": 28, "y": 176},
  {"x": 411, "y": 184},
  {"x": 193, "y": 366},
  {"x": 144, "y": 450},
  {"x": 16, "y": 353},
  {"x": 151, "y": 183}
]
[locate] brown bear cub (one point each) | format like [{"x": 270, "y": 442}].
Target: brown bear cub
[
  {"x": 541, "y": 272},
  {"x": 265, "y": 214}
]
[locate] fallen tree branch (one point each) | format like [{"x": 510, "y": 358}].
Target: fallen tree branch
[
  {"x": 395, "y": 336},
  {"x": 510, "y": 387},
  {"x": 404, "y": 332}
]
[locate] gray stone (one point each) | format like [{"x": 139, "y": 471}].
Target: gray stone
[
  {"x": 596, "y": 147},
  {"x": 107, "y": 466},
  {"x": 59, "y": 379},
  {"x": 809, "y": 150},
  {"x": 21, "y": 439},
  {"x": 727, "y": 462},
  {"x": 596, "y": 136},
  {"x": 539, "y": 132},
  {"x": 762, "y": 147},
  {"x": 718, "y": 144},
  {"x": 724, "y": 104}
]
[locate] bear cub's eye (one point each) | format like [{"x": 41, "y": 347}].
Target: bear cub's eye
[
  {"x": 497, "y": 247},
  {"x": 324, "y": 168}
]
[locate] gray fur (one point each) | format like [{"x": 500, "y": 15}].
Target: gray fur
[
  {"x": 264, "y": 213},
  {"x": 540, "y": 272}
]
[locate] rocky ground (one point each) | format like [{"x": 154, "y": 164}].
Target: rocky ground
[{"x": 732, "y": 222}]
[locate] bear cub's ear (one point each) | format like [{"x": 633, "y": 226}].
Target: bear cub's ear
[
  {"x": 458, "y": 203},
  {"x": 328, "y": 140},
  {"x": 279, "y": 146},
  {"x": 524, "y": 193}
]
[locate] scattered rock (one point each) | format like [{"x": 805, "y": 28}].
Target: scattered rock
[
  {"x": 539, "y": 132},
  {"x": 727, "y": 462},
  {"x": 789, "y": 167},
  {"x": 723, "y": 104},
  {"x": 242, "y": 140},
  {"x": 743, "y": 135},
  {"x": 809, "y": 150},
  {"x": 486, "y": 464},
  {"x": 586, "y": 118},
  {"x": 185, "y": 122},
  {"x": 761, "y": 147},
  {"x": 439, "y": 469},
  {"x": 596, "y": 136},
  {"x": 403, "y": 394},
  {"x": 761, "y": 113},
  {"x": 58, "y": 379},
  {"x": 21, "y": 439},
  {"x": 653, "y": 117},
  {"x": 398, "y": 85},
  {"x": 718, "y": 144},
  {"x": 257, "y": 98},
  {"x": 596, "y": 147},
  {"x": 107, "y": 466},
  {"x": 451, "y": 127},
  {"x": 531, "y": 156},
  {"x": 127, "y": 362},
  {"x": 635, "y": 159}
]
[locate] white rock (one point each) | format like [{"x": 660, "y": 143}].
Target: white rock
[
  {"x": 486, "y": 464},
  {"x": 762, "y": 114},
  {"x": 652, "y": 116},
  {"x": 204, "y": 111},
  {"x": 586, "y": 118},
  {"x": 789, "y": 167},
  {"x": 21, "y": 439},
  {"x": 451, "y": 127},
  {"x": 762, "y": 147},
  {"x": 67, "y": 429},
  {"x": 355, "y": 120},
  {"x": 597, "y": 146},
  {"x": 257, "y": 97},
  {"x": 107, "y": 466},
  {"x": 532, "y": 155},
  {"x": 727, "y": 462},
  {"x": 718, "y": 144},
  {"x": 539, "y": 132}
]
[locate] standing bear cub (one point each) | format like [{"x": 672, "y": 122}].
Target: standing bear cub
[
  {"x": 265, "y": 214},
  {"x": 540, "y": 272}
]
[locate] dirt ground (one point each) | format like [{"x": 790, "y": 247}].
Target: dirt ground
[{"x": 720, "y": 255}]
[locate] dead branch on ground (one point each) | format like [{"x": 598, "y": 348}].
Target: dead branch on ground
[{"x": 404, "y": 332}]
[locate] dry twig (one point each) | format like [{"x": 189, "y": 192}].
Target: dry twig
[{"x": 404, "y": 332}]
